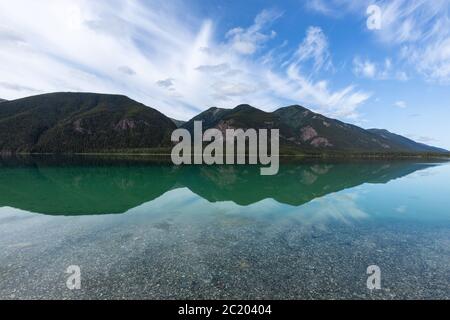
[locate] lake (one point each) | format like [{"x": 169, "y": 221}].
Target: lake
[{"x": 149, "y": 230}]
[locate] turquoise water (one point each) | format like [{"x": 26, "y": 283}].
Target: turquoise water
[{"x": 145, "y": 229}]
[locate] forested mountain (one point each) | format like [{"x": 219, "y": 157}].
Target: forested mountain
[
  {"x": 81, "y": 122},
  {"x": 305, "y": 130},
  {"x": 90, "y": 122}
]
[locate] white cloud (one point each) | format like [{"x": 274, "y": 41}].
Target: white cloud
[
  {"x": 215, "y": 68},
  {"x": 420, "y": 29},
  {"x": 432, "y": 61},
  {"x": 318, "y": 95},
  {"x": 127, "y": 70},
  {"x": 364, "y": 68},
  {"x": 337, "y": 8},
  {"x": 401, "y": 76},
  {"x": 157, "y": 54},
  {"x": 247, "y": 41},
  {"x": 167, "y": 83},
  {"x": 320, "y": 6},
  {"x": 427, "y": 140},
  {"x": 422, "y": 139},
  {"x": 400, "y": 104},
  {"x": 315, "y": 47},
  {"x": 226, "y": 90},
  {"x": 84, "y": 46},
  {"x": 16, "y": 87}
]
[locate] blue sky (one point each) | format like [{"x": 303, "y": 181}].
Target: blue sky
[{"x": 182, "y": 57}]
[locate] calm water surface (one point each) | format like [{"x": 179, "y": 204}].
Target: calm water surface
[{"x": 141, "y": 229}]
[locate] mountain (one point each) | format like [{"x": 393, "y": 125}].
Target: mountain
[
  {"x": 210, "y": 118},
  {"x": 90, "y": 122},
  {"x": 80, "y": 122},
  {"x": 302, "y": 129},
  {"x": 178, "y": 123},
  {"x": 418, "y": 147},
  {"x": 2, "y": 100}
]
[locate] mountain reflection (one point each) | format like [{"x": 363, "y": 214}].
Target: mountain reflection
[{"x": 89, "y": 186}]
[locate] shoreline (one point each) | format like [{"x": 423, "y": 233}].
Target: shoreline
[
  {"x": 283, "y": 158},
  {"x": 288, "y": 155}
]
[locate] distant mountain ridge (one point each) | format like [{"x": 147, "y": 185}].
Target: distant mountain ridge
[
  {"x": 404, "y": 141},
  {"x": 90, "y": 122},
  {"x": 303, "y": 129}
]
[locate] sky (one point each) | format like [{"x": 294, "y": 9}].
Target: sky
[{"x": 377, "y": 64}]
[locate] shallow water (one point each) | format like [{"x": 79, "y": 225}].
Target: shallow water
[{"x": 141, "y": 229}]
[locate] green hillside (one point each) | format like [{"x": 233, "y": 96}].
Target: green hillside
[
  {"x": 80, "y": 122},
  {"x": 99, "y": 123},
  {"x": 304, "y": 130}
]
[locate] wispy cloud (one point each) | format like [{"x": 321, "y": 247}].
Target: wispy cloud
[
  {"x": 16, "y": 87},
  {"x": 215, "y": 68},
  {"x": 248, "y": 40},
  {"x": 315, "y": 47},
  {"x": 422, "y": 139},
  {"x": 336, "y": 8},
  {"x": 420, "y": 29},
  {"x": 127, "y": 70},
  {"x": 365, "y": 68},
  {"x": 320, "y": 6},
  {"x": 158, "y": 54},
  {"x": 400, "y": 104},
  {"x": 167, "y": 83}
]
